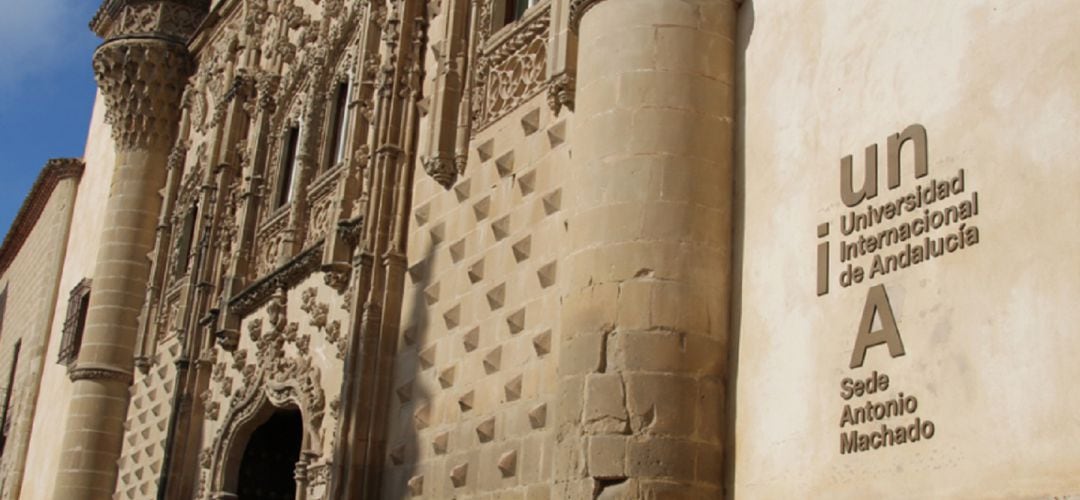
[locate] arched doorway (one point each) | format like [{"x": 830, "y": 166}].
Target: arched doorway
[{"x": 267, "y": 468}]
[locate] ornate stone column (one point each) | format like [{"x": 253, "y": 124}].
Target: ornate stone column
[
  {"x": 645, "y": 305},
  {"x": 141, "y": 70}
]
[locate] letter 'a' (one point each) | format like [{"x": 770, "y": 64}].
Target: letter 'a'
[{"x": 877, "y": 302}]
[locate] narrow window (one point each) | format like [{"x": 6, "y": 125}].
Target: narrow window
[
  {"x": 3, "y": 306},
  {"x": 288, "y": 166},
  {"x": 184, "y": 244},
  {"x": 74, "y": 324},
  {"x": 515, "y": 9},
  {"x": 5, "y": 418},
  {"x": 338, "y": 126}
]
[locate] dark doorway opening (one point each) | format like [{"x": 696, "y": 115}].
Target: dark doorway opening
[{"x": 267, "y": 469}]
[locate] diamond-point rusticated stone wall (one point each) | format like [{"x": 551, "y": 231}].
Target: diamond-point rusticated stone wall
[{"x": 548, "y": 249}]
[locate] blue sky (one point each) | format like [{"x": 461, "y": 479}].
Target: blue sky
[{"x": 46, "y": 90}]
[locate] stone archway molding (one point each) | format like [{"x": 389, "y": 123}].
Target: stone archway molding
[{"x": 293, "y": 383}]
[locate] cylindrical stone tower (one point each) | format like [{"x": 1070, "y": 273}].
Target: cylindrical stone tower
[
  {"x": 645, "y": 309},
  {"x": 141, "y": 70}
]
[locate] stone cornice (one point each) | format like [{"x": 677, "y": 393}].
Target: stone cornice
[
  {"x": 286, "y": 276},
  {"x": 172, "y": 19},
  {"x": 54, "y": 171},
  {"x": 100, "y": 22}
]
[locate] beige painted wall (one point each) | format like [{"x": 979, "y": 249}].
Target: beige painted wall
[
  {"x": 43, "y": 457},
  {"x": 989, "y": 331}
]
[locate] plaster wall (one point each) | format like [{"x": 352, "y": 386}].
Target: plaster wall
[
  {"x": 43, "y": 458},
  {"x": 989, "y": 330}
]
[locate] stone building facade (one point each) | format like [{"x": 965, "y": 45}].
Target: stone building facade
[
  {"x": 540, "y": 249},
  {"x": 31, "y": 260}
]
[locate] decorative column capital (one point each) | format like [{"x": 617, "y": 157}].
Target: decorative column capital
[{"x": 141, "y": 80}]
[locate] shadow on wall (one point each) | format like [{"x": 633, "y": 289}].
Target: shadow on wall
[
  {"x": 744, "y": 30},
  {"x": 415, "y": 411}
]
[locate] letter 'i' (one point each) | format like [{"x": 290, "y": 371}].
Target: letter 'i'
[{"x": 823, "y": 260}]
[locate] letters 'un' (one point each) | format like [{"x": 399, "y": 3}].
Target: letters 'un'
[{"x": 915, "y": 133}]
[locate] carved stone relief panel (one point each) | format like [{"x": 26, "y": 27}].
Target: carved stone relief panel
[
  {"x": 510, "y": 67},
  {"x": 287, "y": 356}
]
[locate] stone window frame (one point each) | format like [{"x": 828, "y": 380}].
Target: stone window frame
[
  {"x": 502, "y": 15},
  {"x": 74, "y": 323},
  {"x": 287, "y": 166},
  {"x": 338, "y": 117},
  {"x": 185, "y": 240}
]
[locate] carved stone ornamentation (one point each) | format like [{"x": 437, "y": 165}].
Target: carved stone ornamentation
[
  {"x": 338, "y": 279},
  {"x": 288, "y": 275},
  {"x": 228, "y": 339},
  {"x": 239, "y": 359},
  {"x": 275, "y": 310},
  {"x": 561, "y": 92},
  {"x": 511, "y": 70},
  {"x": 334, "y": 337},
  {"x": 350, "y": 231},
  {"x": 266, "y": 87},
  {"x": 283, "y": 382},
  {"x": 177, "y": 157},
  {"x": 441, "y": 169},
  {"x": 255, "y": 330},
  {"x": 211, "y": 407},
  {"x": 218, "y": 372},
  {"x": 317, "y": 310},
  {"x": 141, "y": 81},
  {"x": 175, "y": 19}
]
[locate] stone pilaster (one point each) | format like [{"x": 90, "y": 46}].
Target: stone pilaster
[
  {"x": 644, "y": 321},
  {"x": 141, "y": 71}
]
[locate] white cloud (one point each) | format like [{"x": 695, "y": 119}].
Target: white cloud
[{"x": 35, "y": 36}]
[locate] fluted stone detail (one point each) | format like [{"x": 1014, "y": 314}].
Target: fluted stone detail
[{"x": 141, "y": 81}]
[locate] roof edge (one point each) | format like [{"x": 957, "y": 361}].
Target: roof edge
[{"x": 55, "y": 170}]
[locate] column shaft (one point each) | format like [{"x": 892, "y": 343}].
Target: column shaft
[
  {"x": 644, "y": 322},
  {"x": 141, "y": 81}
]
